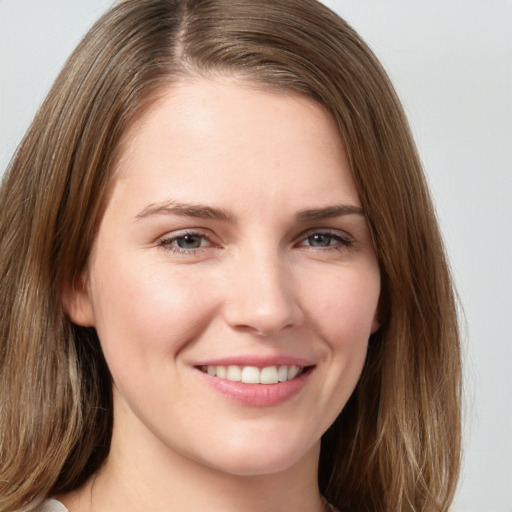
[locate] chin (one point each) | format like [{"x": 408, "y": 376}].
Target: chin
[{"x": 259, "y": 459}]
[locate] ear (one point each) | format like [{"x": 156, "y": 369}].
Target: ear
[
  {"x": 76, "y": 300},
  {"x": 375, "y": 323},
  {"x": 377, "y": 316}
]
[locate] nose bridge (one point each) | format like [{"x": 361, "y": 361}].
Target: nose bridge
[{"x": 262, "y": 295}]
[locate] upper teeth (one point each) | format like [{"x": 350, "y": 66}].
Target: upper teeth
[{"x": 253, "y": 374}]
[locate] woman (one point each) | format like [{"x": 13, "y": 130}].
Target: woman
[{"x": 223, "y": 284}]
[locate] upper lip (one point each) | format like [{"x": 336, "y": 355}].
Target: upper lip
[{"x": 258, "y": 361}]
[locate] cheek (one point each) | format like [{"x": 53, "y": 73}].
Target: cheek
[
  {"x": 145, "y": 314},
  {"x": 343, "y": 306}
]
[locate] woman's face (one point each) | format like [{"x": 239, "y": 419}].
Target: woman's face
[{"x": 233, "y": 246}]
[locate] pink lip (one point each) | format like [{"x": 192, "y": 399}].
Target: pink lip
[{"x": 257, "y": 395}]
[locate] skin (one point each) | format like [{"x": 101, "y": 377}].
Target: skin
[{"x": 261, "y": 283}]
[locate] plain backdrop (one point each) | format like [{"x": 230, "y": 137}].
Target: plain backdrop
[{"x": 451, "y": 62}]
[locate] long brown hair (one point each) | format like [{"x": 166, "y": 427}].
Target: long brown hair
[{"x": 396, "y": 444}]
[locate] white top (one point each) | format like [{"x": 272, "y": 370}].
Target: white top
[{"x": 52, "y": 506}]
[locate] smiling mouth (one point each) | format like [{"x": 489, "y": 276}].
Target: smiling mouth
[{"x": 255, "y": 375}]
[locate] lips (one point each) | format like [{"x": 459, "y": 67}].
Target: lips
[{"x": 257, "y": 382}]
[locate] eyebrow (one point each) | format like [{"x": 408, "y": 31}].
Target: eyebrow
[
  {"x": 209, "y": 212},
  {"x": 329, "y": 212},
  {"x": 185, "y": 210}
]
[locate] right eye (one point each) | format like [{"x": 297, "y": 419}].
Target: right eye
[{"x": 185, "y": 242}]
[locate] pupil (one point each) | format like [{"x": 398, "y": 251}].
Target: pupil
[
  {"x": 189, "y": 242},
  {"x": 320, "y": 240}
]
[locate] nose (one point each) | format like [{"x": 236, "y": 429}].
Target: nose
[{"x": 261, "y": 295}]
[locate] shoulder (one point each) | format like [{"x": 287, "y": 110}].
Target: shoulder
[{"x": 52, "y": 506}]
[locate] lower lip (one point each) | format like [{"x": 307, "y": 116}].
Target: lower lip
[{"x": 258, "y": 395}]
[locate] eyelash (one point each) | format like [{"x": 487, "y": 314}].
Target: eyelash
[{"x": 341, "y": 241}]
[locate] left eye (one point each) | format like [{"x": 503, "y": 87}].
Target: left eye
[{"x": 321, "y": 240}]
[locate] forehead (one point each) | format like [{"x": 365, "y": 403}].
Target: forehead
[{"x": 202, "y": 135}]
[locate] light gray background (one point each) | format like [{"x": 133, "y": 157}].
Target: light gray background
[{"x": 451, "y": 62}]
